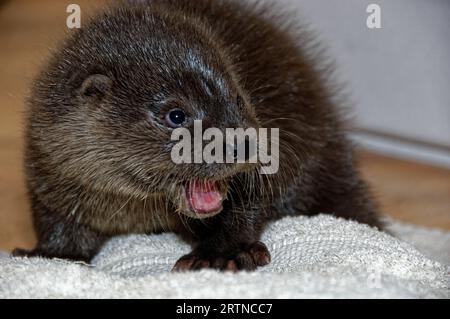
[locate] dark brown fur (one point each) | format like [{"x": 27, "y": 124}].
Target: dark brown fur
[{"x": 98, "y": 166}]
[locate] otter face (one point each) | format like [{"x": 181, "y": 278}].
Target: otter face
[
  {"x": 139, "y": 133},
  {"x": 131, "y": 93}
]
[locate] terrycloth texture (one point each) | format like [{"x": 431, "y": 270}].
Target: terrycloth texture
[
  {"x": 433, "y": 243},
  {"x": 319, "y": 257}
]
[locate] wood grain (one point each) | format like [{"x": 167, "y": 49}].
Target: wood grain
[
  {"x": 28, "y": 29},
  {"x": 409, "y": 191}
]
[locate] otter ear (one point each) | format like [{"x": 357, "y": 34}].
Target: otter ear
[{"x": 96, "y": 86}]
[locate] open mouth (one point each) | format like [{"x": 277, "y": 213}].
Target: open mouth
[{"x": 204, "y": 198}]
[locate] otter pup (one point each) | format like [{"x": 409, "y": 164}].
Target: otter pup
[{"x": 101, "y": 114}]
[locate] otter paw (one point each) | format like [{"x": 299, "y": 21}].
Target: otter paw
[
  {"x": 19, "y": 252},
  {"x": 37, "y": 252},
  {"x": 247, "y": 258}
]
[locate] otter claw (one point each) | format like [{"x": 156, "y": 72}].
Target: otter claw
[{"x": 249, "y": 258}]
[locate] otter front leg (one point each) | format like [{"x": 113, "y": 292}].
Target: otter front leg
[
  {"x": 59, "y": 237},
  {"x": 224, "y": 244},
  {"x": 66, "y": 241}
]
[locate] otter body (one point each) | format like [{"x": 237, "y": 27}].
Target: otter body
[{"x": 101, "y": 115}]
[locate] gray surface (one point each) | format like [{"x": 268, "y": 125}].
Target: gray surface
[{"x": 398, "y": 76}]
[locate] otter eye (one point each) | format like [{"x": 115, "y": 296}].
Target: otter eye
[{"x": 176, "y": 117}]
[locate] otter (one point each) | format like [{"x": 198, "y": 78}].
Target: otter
[{"x": 101, "y": 114}]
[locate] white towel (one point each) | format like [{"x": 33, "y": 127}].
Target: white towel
[{"x": 318, "y": 257}]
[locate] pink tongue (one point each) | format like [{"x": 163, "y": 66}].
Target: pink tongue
[{"x": 204, "y": 197}]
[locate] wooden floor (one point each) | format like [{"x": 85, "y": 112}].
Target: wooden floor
[{"x": 407, "y": 191}]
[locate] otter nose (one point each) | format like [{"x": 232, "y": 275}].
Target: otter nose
[
  {"x": 229, "y": 151},
  {"x": 233, "y": 150}
]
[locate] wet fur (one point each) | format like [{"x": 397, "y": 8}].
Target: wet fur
[{"x": 98, "y": 166}]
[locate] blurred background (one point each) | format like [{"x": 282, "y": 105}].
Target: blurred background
[{"x": 397, "y": 77}]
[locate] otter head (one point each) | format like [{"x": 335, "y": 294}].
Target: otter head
[{"x": 133, "y": 80}]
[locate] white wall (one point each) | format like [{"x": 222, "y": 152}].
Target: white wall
[{"x": 399, "y": 75}]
